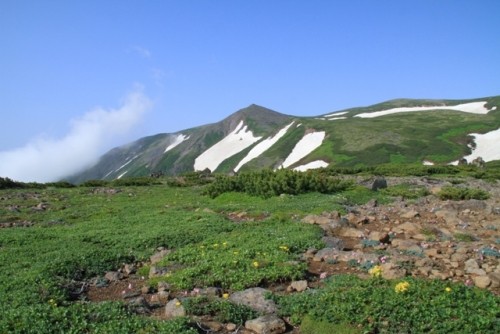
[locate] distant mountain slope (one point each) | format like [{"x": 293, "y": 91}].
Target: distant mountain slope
[{"x": 398, "y": 131}]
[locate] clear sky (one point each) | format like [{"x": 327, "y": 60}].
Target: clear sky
[{"x": 72, "y": 67}]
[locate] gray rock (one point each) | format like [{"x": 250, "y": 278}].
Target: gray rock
[
  {"x": 379, "y": 183},
  {"x": 129, "y": 269},
  {"x": 255, "y": 299},
  {"x": 332, "y": 242},
  {"x": 410, "y": 214},
  {"x": 268, "y": 324},
  {"x": 391, "y": 271},
  {"x": 138, "y": 305},
  {"x": 495, "y": 279},
  {"x": 331, "y": 254},
  {"x": 470, "y": 265},
  {"x": 210, "y": 292},
  {"x": 298, "y": 286},
  {"x": 174, "y": 309},
  {"x": 113, "y": 276},
  {"x": 158, "y": 256}
]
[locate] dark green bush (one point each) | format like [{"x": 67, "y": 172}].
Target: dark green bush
[
  {"x": 222, "y": 310},
  {"x": 135, "y": 181},
  {"x": 267, "y": 183},
  {"x": 462, "y": 193},
  {"x": 95, "y": 183}
]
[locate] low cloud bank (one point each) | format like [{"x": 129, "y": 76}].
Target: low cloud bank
[{"x": 47, "y": 160}]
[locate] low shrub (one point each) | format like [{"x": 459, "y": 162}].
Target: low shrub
[{"x": 462, "y": 193}]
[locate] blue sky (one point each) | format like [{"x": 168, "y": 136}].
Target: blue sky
[{"x": 196, "y": 62}]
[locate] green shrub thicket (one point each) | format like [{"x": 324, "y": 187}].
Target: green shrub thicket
[
  {"x": 462, "y": 193},
  {"x": 267, "y": 183}
]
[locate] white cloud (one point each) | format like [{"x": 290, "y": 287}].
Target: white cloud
[{"x": 48, "y": 159}]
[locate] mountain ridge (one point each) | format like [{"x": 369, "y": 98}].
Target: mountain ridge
[{"x": 397, "y": 131}]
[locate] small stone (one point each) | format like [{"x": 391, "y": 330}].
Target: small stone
[
  {"x": 129, "y": 269},
  {"x": 389, "y": 271},
  {"x": 410, "y": 214},
  {"x": 350, "y": 232},
  {"x": 213, "y": 326},
  {"x": 482, "y": 281},
  {"x": 298, "y": 286},
  {"x": 163, "y": 286},
  {"x": 333, "y": 242},
  {"x": 210, "y": 292},
  {"x": 230, "y": 327},
  {"x": 174, "y": 309},
  {"x": 113, "y": 276},
  {"x": 268, "y": 324},
  {"x": 158, "y": 256},
  {"x": 495, "y": 280}
]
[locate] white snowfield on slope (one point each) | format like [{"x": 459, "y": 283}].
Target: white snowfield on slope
[
  {"x": 177, "y": 141},
  {"x": 262, "y": 147},
  {"x": 306, "y": 145},
  {"x": 471, "y": 107},
  {"x": 487, "y": 146},
  {"x": 235, "y": 142}
]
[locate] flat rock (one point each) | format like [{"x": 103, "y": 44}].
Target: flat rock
[
  {"x": 268, "y": 324},
  {"x": 255, "y": 299},
  {"x": 350, "y": 232},
  {"x": 410, "y": 214}
]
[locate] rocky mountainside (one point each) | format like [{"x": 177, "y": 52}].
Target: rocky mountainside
[{"x": 397, "y": 131}]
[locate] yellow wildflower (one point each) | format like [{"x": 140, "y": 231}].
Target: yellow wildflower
[
  {"x": 177, "y": 303},
  {"x": 375, "y": 271},
  {"x": 225, "y": 296},
  {"x": 224, "y": 243},
  {"x": 285, "y": 248},
  {"x": 402, "y": 287},
  {"x": 255, "y": 264},
  {"x": 447, "y": 289}
]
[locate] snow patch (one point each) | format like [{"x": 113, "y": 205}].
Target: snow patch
[
  {"x": 235, "y": 142},
  {"x": 487, "y": 146},
  {"x": 335, "y": 118},
  {"x": 312, "y": 165},
  {"x": 428, "y": 163},
  {"x": 471, "y": 107},
  {"x": 126, "y": 163},
  {"x": 178, "y": 140},
  {"x": 336, "y": 114},
  {"x": 262, "y": 147},
  {"x": 120, "y": 176},
  {"x": 306, "y": 145}
]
